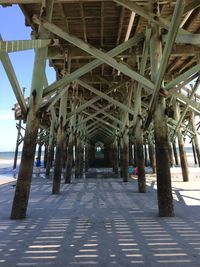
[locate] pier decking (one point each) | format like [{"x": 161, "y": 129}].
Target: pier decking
[{"x": 101, "y": 222}]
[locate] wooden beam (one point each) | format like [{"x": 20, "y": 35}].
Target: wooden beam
[
  {"x": 95, "y": 63},
  {"x": 94, "y": 99},
  {"x": 137, "y": 92},
  {"x": 107, "y": 115},
  {"x": 180, "y": 119},
  {"x": 83, "y": 21},
  {"x": 164, "y": 60},
  {"x": 88, "y": 67},
  {"x": 143, "y": 12},
  {"x": 191, "y": 38},
  {"x": 93, "y": 115},
  {"x": 106, "y": 97},
  {"x": 21, "y": 45},
  {"x": 186, "y": 101},
  {"x": 104, "y": 57},
  {"x": 13, "y": 81},
  {"x": 182, "y": 77},
  {"x": 102, "y": 23}
]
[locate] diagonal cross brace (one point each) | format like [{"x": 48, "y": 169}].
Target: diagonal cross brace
[{"x": 105, "y": 58}]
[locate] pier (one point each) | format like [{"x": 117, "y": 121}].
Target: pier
[{"x": 126, "y": 95}]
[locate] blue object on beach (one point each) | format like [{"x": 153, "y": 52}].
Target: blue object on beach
[{"x": 130, "y": 170}]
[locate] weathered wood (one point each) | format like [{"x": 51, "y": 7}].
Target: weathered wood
[
  {"x": 195, "y": 137},
  {"x": 164, "y": 190},
  {"x": 152, "y": 155},
  {"x": 175, "y": 153},
  {"x": 45, "y": 155},
  {"x": 130, "y": 153},
  {"x": 146, "y": 160},
  {"x": 95, "y": 52},
  {"x": 165, "y": 199},
  {"x": 21, "y": 45},
  {"x": 17, "y": 145},
  {"x": 140, "y": 157},
  {"x": 182, "y": 152},
  {"x": 194, "y": 152},
  {"x": 50, "y": 148},
  {"x": 86, "y": 157},
  {"x": 60, "y": 146},
  {"x": 20, "y": 202},
  {"x": 68, "y": 171},
  {"x": 115, "y": 157},
  {"x": 13, "y": 81},
  {"x": 125, "y": 158},
  {"x": 173, "y": 29},
  {"x": 171, "y": 160},
  {"x": 79, "y": 159},
  {"x": 39, "y": 152}
]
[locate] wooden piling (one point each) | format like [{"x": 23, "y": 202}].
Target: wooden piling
[
  {"x": 140, "y": 157},
  {"x": 125, "y": 152},
  {"x": 152, "y": 155},
  {"x": 60, "y": 145},
  {"x": 175, "y": 153},
  {"x": 195, "y": 138},
  {"x": 20, "y": 201},
  {"x": 164, "y": 189},
  {"x": 68, "y": 171},
  {"x": 50, "y": 148},
  {"x": 115, "y": 157},
  {"x": 182, "y": 152}
]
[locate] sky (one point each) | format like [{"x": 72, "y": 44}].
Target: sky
[{"x": 12, "y": 27}]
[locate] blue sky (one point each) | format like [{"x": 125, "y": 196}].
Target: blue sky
[{"x": 14, "y": 29}]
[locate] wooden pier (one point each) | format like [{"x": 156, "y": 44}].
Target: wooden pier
[{"x": 127, "y": 77}]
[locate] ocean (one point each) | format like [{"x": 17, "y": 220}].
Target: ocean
[{"x": 7, "y": 158}]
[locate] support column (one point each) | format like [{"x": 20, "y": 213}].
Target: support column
[
  {"x": 182, "y": 152},
  {"x": 121, "y": 157},
  {"x": 45, "y": 155},
  {"x": 86, "y": 157},
  {"x": 175, "y": 152},
  {"x": 195, "y": 138},
  {"x": 20, "y": 202},
  {"x": 171, "y": 160},
  {"x": 152, "y": 154},
  {"x": 17, "y": 144},
  {"x": 130, "y": 153},
  {"x": 60, "y": 145},
  {"x": 50, "y": 148},
  {"x": 81, "y": 159},
  {"x": 164, "y": 189},
  {"x": 39, "y": 152},
  {"x": 140, "y": 157},
  {"x": 194, "y": 152},
  {"x": 115, "y": 157},
  {"x": 145, "y": 153},
  {"x": 165, "y": 199},
  {"x": 68, "y": 172},
  {"x": 125, "y": 152}
]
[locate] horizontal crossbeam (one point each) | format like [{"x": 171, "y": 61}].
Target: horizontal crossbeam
[{"x": 20, "y": 45}]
